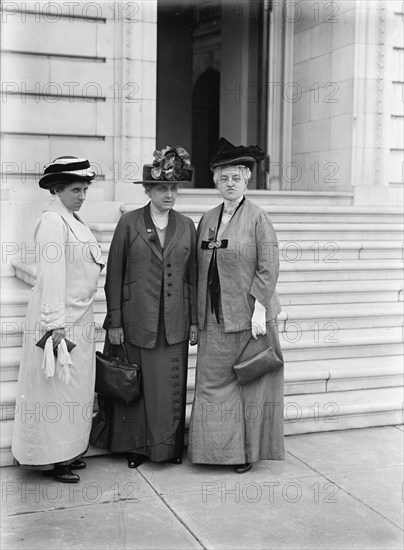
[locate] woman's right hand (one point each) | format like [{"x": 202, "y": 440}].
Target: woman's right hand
[{"x": 116, "y": 336}]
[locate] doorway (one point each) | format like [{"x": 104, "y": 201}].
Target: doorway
[
  {"x": 210, "y": 79},
  {"x": 205, "y": 124}
]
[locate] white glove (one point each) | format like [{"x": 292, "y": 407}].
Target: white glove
[
  {"x": 61, "y": 365},
  {"x": 48, "y": 361},
  {"x": 63, "y": 362},
  {"x": 258, "y": 320}
]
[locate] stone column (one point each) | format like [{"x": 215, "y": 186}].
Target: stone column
[{"x": 135, "y": 104}]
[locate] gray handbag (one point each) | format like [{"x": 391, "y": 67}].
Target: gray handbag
[{"x": 257, "y": 358}]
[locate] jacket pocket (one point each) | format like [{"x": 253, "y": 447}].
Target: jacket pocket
[{"x": 126, "y": 290}]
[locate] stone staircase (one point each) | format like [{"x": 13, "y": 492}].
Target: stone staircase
[{"x": 341, "y": 290}]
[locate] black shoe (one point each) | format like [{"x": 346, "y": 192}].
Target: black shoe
[
  {"x": 135, "y": 460},
  {"x": 78, "y": 465},
  {"x": 175, "y": 460},
  {"x": 242, "y": 468},
  {"x": 65, "y": 475}
]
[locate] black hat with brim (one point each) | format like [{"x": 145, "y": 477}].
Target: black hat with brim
[
  {"x": 65, "y": 170},
  {"x": 227, "y": 154}
]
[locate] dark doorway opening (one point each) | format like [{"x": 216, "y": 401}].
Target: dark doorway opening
[
  {"x": 211, "y": 79},
  {"x": 205, "y": 124}
]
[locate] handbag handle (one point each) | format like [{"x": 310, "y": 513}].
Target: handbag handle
[
  {"x": 126, "y": 358},
  {"x": 252, "y": 338}
]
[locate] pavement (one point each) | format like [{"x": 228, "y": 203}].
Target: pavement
[{"x": 335, "y": 490}]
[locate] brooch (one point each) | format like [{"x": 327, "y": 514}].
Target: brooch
[{"x": 214, "y": 244}]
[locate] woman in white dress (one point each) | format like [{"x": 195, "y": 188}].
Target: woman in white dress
[{"x": 55, "y": 391}]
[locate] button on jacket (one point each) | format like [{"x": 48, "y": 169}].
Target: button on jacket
[{"x": 141, "y": 276}]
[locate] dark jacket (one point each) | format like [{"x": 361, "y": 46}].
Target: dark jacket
[{"x": 142, "y": 278}]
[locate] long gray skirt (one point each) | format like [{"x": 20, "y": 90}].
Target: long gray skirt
[
  {"x": 154, "y": 425},
  {"x": 233, "y": 424}
]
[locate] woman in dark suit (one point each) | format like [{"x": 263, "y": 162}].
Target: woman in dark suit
[
  {"x": 151, "y": 307},
  {"x": 238, "y": 271}
]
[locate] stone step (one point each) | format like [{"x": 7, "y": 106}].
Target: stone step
[
  {"x": 300, "y": 378},
  {"x": 319, "y": 412},
  {"x": 328, "y": 341},
  {"x": 344, "y": 270},
  {"x": 357, "y": 373},
  {"x": 316, "y": 320},
  {"x": 330, "y": 292},
  {"x": 330, "y": 330},
  {"x": 346, "y": 347},
  {"x": 343, "y": 410},
  {"x": 15, "y": 293},
  {"x": 326, "y": 251},
  {"x": 366, "y": 315},
  {"x": 10, "y": 363},
  {"x": 340, "y": 270},
  {"x": 306, "y": 413},
  {"x": 336, "y": 343},
  {"x": 296, "y": 213},
  {"x": 382, "y": 314},
  {"x": 211, "y": 197},
  {"x": 292, "y": 270},
  {"x": 334, "y": 232},
  {"x": 304, "y": 292},
  {"x": 301, "y": 231},
  {"x": 305, "y": 360}
]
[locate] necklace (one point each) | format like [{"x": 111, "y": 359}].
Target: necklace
[
  {"x": 158, "y": 224},
  {"x": 231, "y": 206}
]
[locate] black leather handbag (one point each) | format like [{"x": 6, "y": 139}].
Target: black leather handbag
[
  {"x": 117, "y": 378},
  {"x": 257, "y": 358}
]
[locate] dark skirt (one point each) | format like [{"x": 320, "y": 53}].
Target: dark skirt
[{"x": 153, "y": 425}]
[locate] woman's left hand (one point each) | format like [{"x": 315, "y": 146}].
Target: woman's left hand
[
  {"x": 258, "y": 320},
  {"x": 193, "y": 335}
]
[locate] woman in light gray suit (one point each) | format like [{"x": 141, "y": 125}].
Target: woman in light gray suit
[{"x": 238, "y": 269}]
